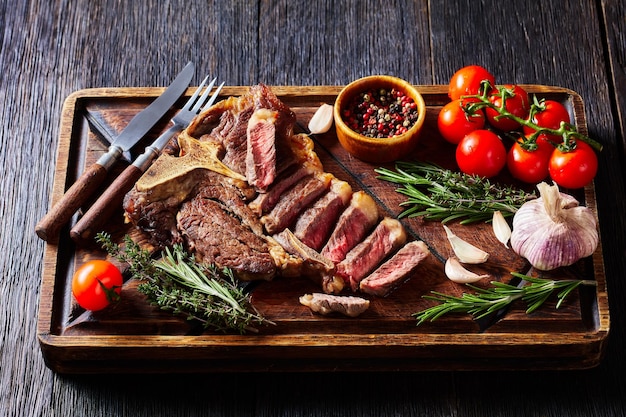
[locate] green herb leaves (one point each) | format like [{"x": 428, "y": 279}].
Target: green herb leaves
[
  {"x": 178, "y": 284},
  {"x": 444, "y": 195},
  {"x": 489, "y": 300}
]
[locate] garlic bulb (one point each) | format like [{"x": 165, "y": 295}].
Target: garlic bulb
[
  {"x": 466, "y": 252},
  {"x": 553, "y": 230},
  {"x": 501, "y": 228},
  {"x": 457, "y": 273},
  {"x": 322, "y": 120}
]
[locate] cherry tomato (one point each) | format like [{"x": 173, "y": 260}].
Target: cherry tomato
[
  {"x": 551, "y": 117},
  {"x": 467, "y": 80},
  {"x": 529, "y": 166},
  {"x": 454, "y": 123},
  {"x": 96, "y": 284},
  {"x": 516, "y": 103},
  {"x": 574, "y": 169},
  {"x": 482, "y": 153}
]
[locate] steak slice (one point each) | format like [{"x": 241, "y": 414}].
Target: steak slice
[
  {"x": 352, "y": 227},
  {"x": 294, "y": 201},
  {"x": 261, "y": 149},
  {"x": 396, "y": 270},
  {"x": 326, "y": 304},
  {"x": 266, "y": 201},
  {"x": 235, "y": 143},
  {"x": 218, "y": 237},
  {"x": 314, "y": 226},
  {"x": 313, "y": 265},
  {"x": 311, "y": 258},
  {"x": 386, "y": 238}
]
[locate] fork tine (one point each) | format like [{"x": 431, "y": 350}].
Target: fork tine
[
  {"x": 199, "y": 104},
  {"x": 203, "y": 97},
  {"x": 196, "y": 93}
]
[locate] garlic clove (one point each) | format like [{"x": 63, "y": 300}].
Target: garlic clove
[
  {"x": 457, "y": 273},
  {"x": 465, "y": 251},
  {"x": 501, "y": 228},
  {"x": 322, "y": 120}
]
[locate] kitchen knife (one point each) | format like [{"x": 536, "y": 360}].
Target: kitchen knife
[{"x": 49, "y": 226}]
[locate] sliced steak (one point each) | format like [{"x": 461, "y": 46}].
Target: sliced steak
[
  {"x": 294, "y": 201},
  {"x": 295, "y": 246},
  {"x": 314, "y": 226},
  {"x": 266, "y": 201},
  {"x": 235, "y": 143},
  {"x": 238, "y": 219},
  {"x": 267, "y": 153},
  {"x": 352, "y": 227},
  {"x": 312, "y": 265},
  {"x": 326, "y": 304},
  {"x": 154, "y": 211},
  {"x": 219, "y": 117},
  {"x": 386, "y": 238},
  {"x": 261, "y": 149},
  {"x": 218, "y": 237},
  {"x": 232, "y": 194},
  {"x": 396, "y": 270},
  {"x": 227, "y": 123}
]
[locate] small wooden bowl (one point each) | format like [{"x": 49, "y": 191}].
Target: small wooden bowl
[{"x": 377, "y": 150}]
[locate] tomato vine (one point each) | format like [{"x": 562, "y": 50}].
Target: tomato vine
[{"x": 567, "y": 131}]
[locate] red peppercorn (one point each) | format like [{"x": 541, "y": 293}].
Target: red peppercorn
[{"x": 385, "y": 113}]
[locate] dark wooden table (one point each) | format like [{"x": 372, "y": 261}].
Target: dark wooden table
[{"x": 48, "y": 49}]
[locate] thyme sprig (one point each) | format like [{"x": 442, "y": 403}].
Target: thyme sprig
[
  {"x": 489, "y": 300},
  {"x": 440, "y": 194},
  {"x": 177, "y": 283}
]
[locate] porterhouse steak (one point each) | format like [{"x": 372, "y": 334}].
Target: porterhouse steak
[{"x": 239, "y": 189}]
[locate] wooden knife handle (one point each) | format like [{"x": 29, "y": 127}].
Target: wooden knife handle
[
  {"x": 100, "y": 212},
  {"x": 49, "y": 226}
]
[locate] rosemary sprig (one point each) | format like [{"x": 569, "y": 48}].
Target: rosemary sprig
[
  {"x": 182, "y": 269},
  {"x": 440, "y": 194},
  {"x": 178, "y": 284},
  {"x": 489, "y": 300}
]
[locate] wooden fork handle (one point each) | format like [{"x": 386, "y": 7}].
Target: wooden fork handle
[
  {"x": 49, "y": 226},
  {"x": 100, "y": 212}
]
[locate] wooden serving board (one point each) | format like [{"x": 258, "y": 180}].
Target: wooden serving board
[{"x": 133, "y": 336}]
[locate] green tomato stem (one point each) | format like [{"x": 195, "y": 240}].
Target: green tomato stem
[{"x": 566, "y": 130}]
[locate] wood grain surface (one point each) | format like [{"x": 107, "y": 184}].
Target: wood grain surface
[{"x": 49, "y": 49}]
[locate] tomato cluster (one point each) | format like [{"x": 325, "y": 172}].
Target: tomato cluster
[{"x": 480, "y": 113}]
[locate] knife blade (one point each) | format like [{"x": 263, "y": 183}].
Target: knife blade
[
  {"x": 103, "y": 132},
  {"x": 49, "y": 226}
]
